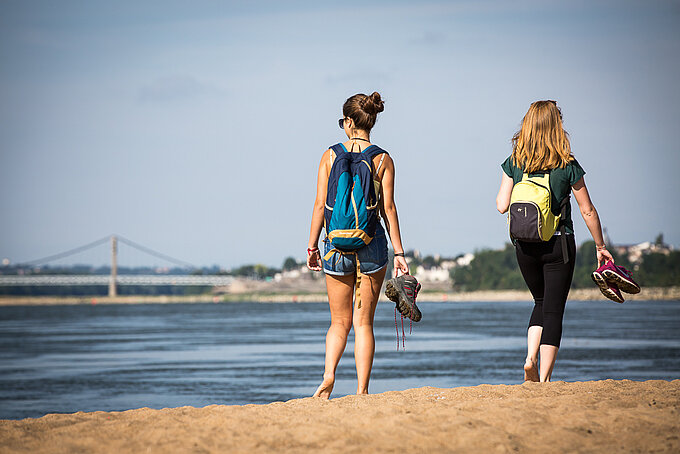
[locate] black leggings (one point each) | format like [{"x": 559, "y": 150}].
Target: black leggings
[{"x": 548, "y": 279}]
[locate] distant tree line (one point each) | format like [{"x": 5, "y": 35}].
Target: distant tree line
[{"x": 498, "y": 270}]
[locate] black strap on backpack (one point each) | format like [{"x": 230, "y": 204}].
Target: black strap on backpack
[{"x": 563, "y": 230}]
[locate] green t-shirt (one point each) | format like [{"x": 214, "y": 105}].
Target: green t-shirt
[{"x": 561, "y": 181}]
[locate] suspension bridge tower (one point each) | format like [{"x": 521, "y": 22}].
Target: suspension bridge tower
[{"x": 113, "y": 291}]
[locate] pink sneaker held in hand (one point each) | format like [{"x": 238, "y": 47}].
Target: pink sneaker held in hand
[
  {"x": 620, "y": 276},
  {"x": 608, "y": 289}
]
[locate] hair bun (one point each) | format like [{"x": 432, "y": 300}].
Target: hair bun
[
  {"x": 363, "y": 109},
  {"x": 373, "y": 104}
]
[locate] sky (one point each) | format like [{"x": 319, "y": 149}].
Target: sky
[{"x": 196, "y": 128}]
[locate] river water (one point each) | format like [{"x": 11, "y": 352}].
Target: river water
[{"x": 63, "y": 359}]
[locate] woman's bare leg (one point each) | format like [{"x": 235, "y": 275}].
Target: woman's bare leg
[
  {"x": 340, "y": 295},
  {"x": 364, "y": 342},
  {"x": 548, "y": 357},
  {"x": 533, "y": 342}
]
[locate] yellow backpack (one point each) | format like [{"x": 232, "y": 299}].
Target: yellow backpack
[{"x": 529, "y": 216}]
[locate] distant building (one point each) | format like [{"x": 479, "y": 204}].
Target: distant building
[
  {"x": 465, "y": 259},
  {"x": 635, "y": 252},
  {"x": 434, "y": 274},
  {"x": 302, "y": 272},
  {"x": 441, "y": 272}
]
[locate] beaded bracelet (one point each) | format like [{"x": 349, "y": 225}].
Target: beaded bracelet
[{"x": 601, "y": 248}]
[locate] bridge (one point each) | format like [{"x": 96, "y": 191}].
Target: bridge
[
  {"x": 113, "y": 280},
  {"x": 153, "y": 279}
]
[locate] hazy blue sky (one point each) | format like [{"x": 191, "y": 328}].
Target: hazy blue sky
[{"x": 195, "y": 128}]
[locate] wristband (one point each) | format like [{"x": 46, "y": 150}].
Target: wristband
[
  {"x": 601, "y": 248},
  {"x": 311, "y": 250},
  {"x": 399, "y": 254}
]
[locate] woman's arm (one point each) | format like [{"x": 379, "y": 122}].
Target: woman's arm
[
  {"x": 503, "y": 197},
  {"x": 389, "y": 212},
  {"x": 592, "y": 219},
  {"x": 313, "y": 254}
]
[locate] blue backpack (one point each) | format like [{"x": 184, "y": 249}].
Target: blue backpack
[{"x": 351, "y": 212}]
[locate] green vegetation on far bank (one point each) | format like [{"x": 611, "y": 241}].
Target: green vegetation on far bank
[
  {"x": 653, "y": 264},
  {"x": 498, "y": 270}
]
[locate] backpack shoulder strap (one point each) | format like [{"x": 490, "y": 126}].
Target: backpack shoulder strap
[
  {"x": 336, "y": 150},
  {"x": 382, "y": 158},
  {"x": 373, "y": 151}
]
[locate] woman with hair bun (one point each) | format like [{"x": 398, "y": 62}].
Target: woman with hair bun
[
  {"x": 359, "y": 115},
  {"x": 541, "y": 148}
]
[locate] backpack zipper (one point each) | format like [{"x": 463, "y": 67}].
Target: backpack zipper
[{"x": 539, "y": 185}]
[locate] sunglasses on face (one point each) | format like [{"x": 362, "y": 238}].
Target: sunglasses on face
[{"x": 341, "y": 123}]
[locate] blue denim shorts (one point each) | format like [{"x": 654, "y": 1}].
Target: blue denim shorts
[{"x": 372, "y": 258}]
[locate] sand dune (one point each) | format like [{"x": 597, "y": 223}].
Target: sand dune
[{"x": 599, "y": 416}]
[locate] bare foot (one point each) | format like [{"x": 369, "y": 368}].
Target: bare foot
[
  {"x": 530, "y": 371},
  {"x": 325, "y": 388}
]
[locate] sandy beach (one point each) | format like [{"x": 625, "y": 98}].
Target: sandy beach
[{"x": 599, "y": 416}]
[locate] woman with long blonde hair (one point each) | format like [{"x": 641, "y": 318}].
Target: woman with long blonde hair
[{"x": 541, "y": 146}]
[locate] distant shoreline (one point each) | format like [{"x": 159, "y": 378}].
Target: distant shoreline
[{"x": 653, "y": 293}]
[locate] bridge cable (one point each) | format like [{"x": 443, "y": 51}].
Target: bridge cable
[
  {"x": 155, "y": 253},
  {"x": 74, "y": 251}
]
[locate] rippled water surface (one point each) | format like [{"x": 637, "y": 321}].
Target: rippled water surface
[{"x": 117, "y": 357}]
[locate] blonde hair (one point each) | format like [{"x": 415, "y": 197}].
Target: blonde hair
[{"x": 541, "y": 143}]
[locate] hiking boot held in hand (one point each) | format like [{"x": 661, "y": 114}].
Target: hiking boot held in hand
[{"x": 403, "y": 290}]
